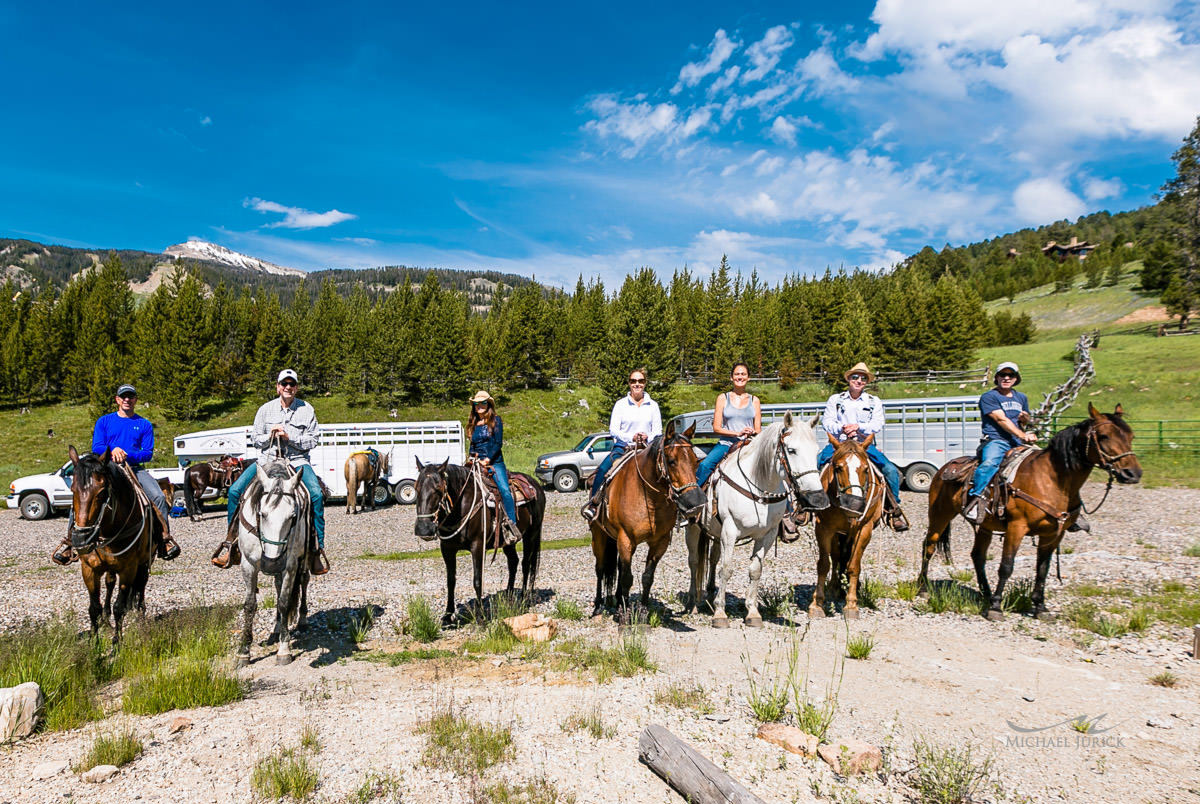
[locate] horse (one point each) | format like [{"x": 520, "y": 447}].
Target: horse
[
  {"x": 1043, "y": 501},
  {"x": 360, "y": 469},
  {"x": 646, "y": 495},
  {"x": 273, "y": 535},
  {"x": 453, "y": 507},
  {"x": 843, "y": 530},
  {"x": 747, "y": 500},
  {"x": 219, "y": 475},
  {"x": 112, "y": 530}
]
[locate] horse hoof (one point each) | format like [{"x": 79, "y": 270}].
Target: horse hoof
[
  {"x": 283, "y": 658},
  {"x": 754, "y": 622},
  {"x": 995, "y": 615},
  {"x": 1046, "y": 617},
  {"x": 850, "y": 614},
  {"x": 720, "y": 622},
  {"x": 816, "y": 613}
]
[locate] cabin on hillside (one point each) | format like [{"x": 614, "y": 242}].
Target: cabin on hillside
[{"x": 1064, "y": 251}]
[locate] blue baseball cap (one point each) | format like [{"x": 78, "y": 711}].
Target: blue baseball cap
[{"x": 127, "y": 389}]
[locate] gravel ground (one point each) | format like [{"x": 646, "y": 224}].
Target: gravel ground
[{"x": 950, "y": 679}]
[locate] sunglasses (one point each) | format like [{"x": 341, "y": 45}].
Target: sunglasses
[
  {"x": 128, "y": 396},
  {"x": 858, "y": 376},
  {"x": 637, "y": 382},
  {"x": 1006, "y": 376},
  {"x": 288, "y": 384}
]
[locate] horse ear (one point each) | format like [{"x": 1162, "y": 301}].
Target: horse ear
[
  {"x": 691, "y": 431},
  {"x": 670, "y": 431},
  {"x": 295, "y": 482},
  {"x": 816, "y": 421},
  {"x": 787, "y": 420},
  {"x": 833, "y": 440},
  {"x": 1118, "y": 410},
  {"x": 420, "y": 465},
  {"x": 72, "y": 454},
  {"x": 107, "y": 456},
  {"x": 1095, "y": 414},
  {"x": 442, "y": 466}
]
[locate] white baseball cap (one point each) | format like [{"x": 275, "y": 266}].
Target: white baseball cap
[
  {"x": 287, "y": 374},
  {"x": 1010, "y": 366}
]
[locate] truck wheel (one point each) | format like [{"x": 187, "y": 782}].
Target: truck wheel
[
  {"x": 919, "y": 477},
  {"x": 406, "y": 492},
  {"x": 35, "y": 507},
  {"x": 566, "y": 481},
  {"x": 382, "y": 493}
]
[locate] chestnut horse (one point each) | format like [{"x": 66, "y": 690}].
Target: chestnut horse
[
  {"x": 843, "y": 530},
  {"x": 1043, "y": 501},
  {"x": 362, "y": 471},
  {"x": 219, "y": 475},
  {"x": 112, "y": 530},
  {"x": 646, "y": 495}
]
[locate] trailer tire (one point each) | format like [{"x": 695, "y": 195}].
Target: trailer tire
[
  {"x": 919, "y": 477},
  {"x": 566, "y": 481},
  {"x": 382, "y": 493},
  {"x": 35, "y": 507},
  {"x": 406, "y": 492}
]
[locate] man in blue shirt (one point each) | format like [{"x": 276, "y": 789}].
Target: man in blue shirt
[
  {"x": 1005, "y": 412},
  {"x": 129, "y": 439}
]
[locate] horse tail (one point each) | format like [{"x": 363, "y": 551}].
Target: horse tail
[
  {"x": 943, "y": 543},
  {"x": 189, "y": 494},
  {"x": 608, "y": 567},
  {"x": 351, "y": 484}
]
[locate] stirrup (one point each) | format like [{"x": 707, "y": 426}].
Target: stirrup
[
  {"x": 63, "y": 555},
  {"x": 227, "y": 555},
  {"x": 318, "y": 564},
  {"x": 974, "y": 510},
  {"x": 168, "y": 549},
  {"x": 789, "y": 530},
  {"x": 590, "y": 511},
  {"x": 897, "y": 521},
  {"x": 512, "y": 534}
]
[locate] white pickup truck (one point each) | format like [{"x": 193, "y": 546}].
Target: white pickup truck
[{"x": 40, "y": 495}]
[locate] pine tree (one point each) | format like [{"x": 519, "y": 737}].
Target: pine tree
[
  {"x": 1182, "y": 199},
  {"x": 638, "y": 338},
  {"x": 187, "y": 349},
  {"x": 106, "y": 319}
]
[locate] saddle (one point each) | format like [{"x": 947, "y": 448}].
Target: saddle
[
  {"x": 995, "y": 496},
  {"x": 159, "y": 527},
  {"x": 522, "y": 488},
  {"x": 372, "y": 456},
  {"x": 602, "y": 503}
]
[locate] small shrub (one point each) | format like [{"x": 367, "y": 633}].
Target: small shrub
[
  {"x": 397, "y": 658},
  {"x": 963, "y": 576},
  {"x": 463, "y": 746},
  {"x": 949, "y": 775},
  {"x": 1164, "y": 679},
  {"x": 186, "y": 683},
  {"x": 1139, "y": 620},
  {"x": 906, "y": 590},
  {"x": 1192, "y": 550},
  {"x": 567, "y": 610},
  {"x": 118, "y": 747},
  {"x": 496, "y": 637},
  {"x": 538, "y": 791},
  {"x": 1018, "y": 596},
  {"x": 377, "y": 787},
  {"x": 870, "y": 592},
  {"x": 309, "y": 739},
  {"x": 420, "y": 622},
  {"x": 628, "y": 657},
  {"x": 591, "y": 721},
  {"x": 681, "y": 696},
  {"x": 361, "y": 623},
  {"x": 859, "y": 646},
  {"x": 951, "y": 597},
  {"x": 285, "y": 772},
  {"x": 268, "y": 602},
  {"x": 774, "y": 600}
]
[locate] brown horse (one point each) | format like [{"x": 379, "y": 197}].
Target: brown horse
[
  {"x": 219, "y": 475},
  {"x": 1043, "y": 501},
  {"x": 361, "y": 470},
  {"x": 112, "y": 530},
  {"x": 645, "y": 497},
  {"x": 843, "y": 530}
]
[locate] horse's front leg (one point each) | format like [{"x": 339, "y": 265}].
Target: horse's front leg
[
  {"x": 284, "y": 590},
  {"x": 625, "y": 547},
  {"x": 249, "y": 607},
  {"x": 757, "y": 555},
  {"x": 92, "y": 582},
  {"x": 123, "y": 594},
  {"x": 723, "y": 568},
  {"x": 510, "y": 555},
  {"x": 654, "y": 553},
  {"x": 983, "y": 540},
  {"x": 853, "y": 568},
  {"x": 1012, "y": 541},
  {"x": 816, "y": 609},
  {"x": 110, "y": 583},
  {"x": 448, "y": 558}
]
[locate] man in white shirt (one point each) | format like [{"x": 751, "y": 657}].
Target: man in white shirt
[
  {"x": 856, "y": 414},
  {"x": 635, "y": 420}
]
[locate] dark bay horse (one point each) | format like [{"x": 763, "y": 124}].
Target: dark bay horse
[
  {"x": 1044, "y": 501},
  {"x": 361, "y": 470},
  {"x": 453, "y": 507},
  {"x": 219, "y": 475},
  {"x": 646, "y": 495},
  {"x": 843, "y": 530},
  {"x": 112, "y": 530}
]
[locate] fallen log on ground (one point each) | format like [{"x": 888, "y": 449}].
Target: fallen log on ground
[{"x": 690, "y": 774}]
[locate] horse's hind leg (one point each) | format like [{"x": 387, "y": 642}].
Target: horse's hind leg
[
  {"x": 1012, "y": 540},
  {"x": 653, "y": 555},
  {"x": 983, "y": 540},
  {"x": 1039, "y": 584},
  {"x": 697, "y": 545},
  {"x": 723, "y": 568},
  {"x": 249, "y": 605},
  {"x": 510, "y": 555},
  {"x": 448, "y": 554},
  {"x": 624, "y": 577},
  {"x": 123, "y": 594}
]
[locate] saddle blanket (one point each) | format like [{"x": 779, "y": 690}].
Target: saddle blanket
[
  {"x": 963, "y": 468},
  {"x": 522, "y": 488},
  {"x": 371, "y": 453}
]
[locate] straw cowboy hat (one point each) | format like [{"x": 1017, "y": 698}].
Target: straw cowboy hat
[
  {"x": 483, "y": 396},
  {"x": 859, "y": 368}
]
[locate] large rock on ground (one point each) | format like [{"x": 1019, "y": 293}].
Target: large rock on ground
[
  {"x": 789, "y": 738},
  {"x": 100, "y": 773},
  {"x": 20, "y": 710},
  {"x": 532, "y": 627},
  {"x": 48, "y": 769},
  {"x": 850, "y": 756}
]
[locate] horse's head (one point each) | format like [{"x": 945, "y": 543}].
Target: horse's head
[
  {"x": 432, "y": 494},
  {"x": 1110, "y": 445},
  {"x": 385, "y": 461},
  {"x": 798, "y": 452},
  {"x": 91, "y": 496},
  {"x": 851, "y": 475},
  {"x": 677, "y": 462},
  {"x": 279, "y": 510}
]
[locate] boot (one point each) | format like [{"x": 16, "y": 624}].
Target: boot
[
  {"x": 975, "y": 511},
  {"x": 64, "y": 554},
  {"x": 227, "y": 555},
  {"x": 168, "y": 549},
  {"x": 589, "y": 510},
  {"x": 897, "y": 520},
  {"x": 318, "y": 564},
  {"x": 512, "y": 534}
]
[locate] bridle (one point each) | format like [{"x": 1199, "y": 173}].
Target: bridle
[
  {"x": 870, "y": 486},
  {"x": 86, "y": 538},
  {"x": 1106, "y": 459},
  {"x": 445, "y": 506},
  {"x": 674, "y": 493}
]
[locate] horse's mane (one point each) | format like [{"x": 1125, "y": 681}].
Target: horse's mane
[
  {"x": 849, "y": 445},
  {"x": 760, "y": 455},
  {"x": 1069, "y": 445},
  {"x": 90, "y": 465}
]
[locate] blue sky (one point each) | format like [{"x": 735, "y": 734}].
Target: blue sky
[{"x": 560, "y": 140}]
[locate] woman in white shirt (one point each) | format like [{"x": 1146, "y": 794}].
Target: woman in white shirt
[{"x": 635, "y": 421}]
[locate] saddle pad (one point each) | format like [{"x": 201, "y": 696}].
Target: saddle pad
[
  {"x": 1013, "y": 460},
  {"x": 371, "y": 453},
  {"x": 959, "y": 468},
  {"x": 522, "y": 488}
]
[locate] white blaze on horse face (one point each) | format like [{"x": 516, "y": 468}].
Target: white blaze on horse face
[{"x": 854, "y": 468}]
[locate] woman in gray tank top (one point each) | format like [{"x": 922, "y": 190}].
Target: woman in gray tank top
[{"x": 737, "y": 415}]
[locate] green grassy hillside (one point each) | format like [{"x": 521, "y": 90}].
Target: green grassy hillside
[{"x": 1079, "y": 309}]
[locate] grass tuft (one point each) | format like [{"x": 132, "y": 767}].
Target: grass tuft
[
  {"x": 285, "y": 773},
  {"x": 1192, "y": 550},
  {"x": 397, "y": 658},
  {"x": 117, "y": 747},
  {"x": 685, "y": 696},
  {"x": 1164, "y": 679},
  {"x": 461, "y": 745},
  {"x": 68, "y": 669},
  {"x": 1018, "y": 596},
  {"x": 383, "y": 787},
  {"x": 420, "y": 622},
  {"x": 590, "y": 720},
  {"x": 951, "y": 597},
  {"x": 945, "y": 774},
  {"x": 774, "y": 600},
  {"x": 871, "y": 592},
  {"x": 906, "y": 590},
  {"x": 538, "y": 791},
  {"x": 361, "y": 623},
  {"x": 628, "y": 657},
  {"x": 859, "y": 646},
  {"x": 567, "y": 610}
]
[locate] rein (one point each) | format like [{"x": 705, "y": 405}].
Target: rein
[
  {"x": 446, "y": 505},
  {"x": 91, "y": 535}
]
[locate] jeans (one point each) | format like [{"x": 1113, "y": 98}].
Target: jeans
[
  {"x": 891, "y": 475},
  {"x": 993, "y": 453},
  {"x": 154, "y": 492},
  {"x": 308, "y": 477},
  {"x": 501, "y": 473},
  {"x": 706, "y": 467},
  {"x": 602, "y": 469}
]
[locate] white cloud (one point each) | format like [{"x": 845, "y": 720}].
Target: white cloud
[
  {"x": 206, "y": 120},
  {"x": 766, "y": 52},
  {"x": 297, "y": 218},
  {"x": 821, "y": 70},
  {"x": 637, "y": 123},
  {"x": 1041, "y": 200},
  {"x": 783, "y": 131},
  {"x": 1098, "y": 189},
  {"x": 693, "y": 73},
  {"x": 358, "y": 241}
]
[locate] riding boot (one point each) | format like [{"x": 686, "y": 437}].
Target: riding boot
[
  {"x": 318, "y": 564},
  {"x": 512, "y": 534},
  {"x": 64, "y": 554},
  {"x": 590, "y": 510},
  {"x": 898, "y": 520},
  {"x": 975, "y": 511},
  {"x": 227, "y": 555}
]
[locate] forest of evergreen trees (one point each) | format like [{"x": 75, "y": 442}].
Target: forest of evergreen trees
[{"x": 186, "y": 346}]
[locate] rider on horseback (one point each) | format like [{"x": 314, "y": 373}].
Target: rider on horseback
[
  {"x": 131, "y": 440},
  {"x": 737, "y": 416},
  {"x": 1004, "y": 411},
  {"x": 487, "y": 447},
  {"x": 292, "y": 424},
  {"x": 856, "y": 414},
  {"x": 635, "y": 420}
]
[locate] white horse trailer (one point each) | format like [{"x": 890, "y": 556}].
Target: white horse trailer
[
  {"x": 919, "y": 435},
  {"x": 403, "y": 442}
]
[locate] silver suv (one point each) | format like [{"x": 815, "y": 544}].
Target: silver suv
[{"x": 565, "y": 470}]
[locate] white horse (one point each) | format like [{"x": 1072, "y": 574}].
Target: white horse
[
  {"x": 749, "y": 492},
  {"x": 273, "y": 535}
]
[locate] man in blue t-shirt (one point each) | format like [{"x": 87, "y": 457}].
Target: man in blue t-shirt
[
  {"x": 1005, "y": 413},
  {"x": 128, "y": 438}
]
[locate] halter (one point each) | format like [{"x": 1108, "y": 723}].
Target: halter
[
  {"x": 793, "y": 477},
  {"x": 90, "y": 534},
  {"x": 1106, "y": 459},
  {"x": 870, "y": 489}
]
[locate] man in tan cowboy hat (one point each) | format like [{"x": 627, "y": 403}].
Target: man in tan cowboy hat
[{"x": 856, "y": 414}]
